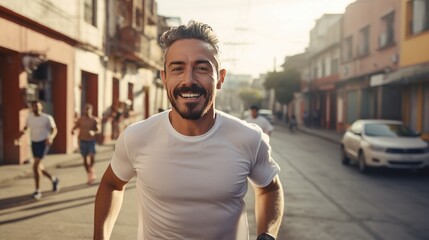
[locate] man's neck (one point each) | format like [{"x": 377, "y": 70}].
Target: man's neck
[{"x": 192, "y": 127}]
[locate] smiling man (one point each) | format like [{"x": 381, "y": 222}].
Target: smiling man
[{"x": 192, "y": 163}]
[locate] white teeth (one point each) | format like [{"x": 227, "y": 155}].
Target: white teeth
[{"x": 190, "y": 95}]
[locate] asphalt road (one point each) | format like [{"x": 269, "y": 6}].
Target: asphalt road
[{"x": 324, "y": 200}]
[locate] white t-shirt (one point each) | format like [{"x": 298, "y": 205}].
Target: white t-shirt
[
  {"x": 192, "y": 187},
  {"x": 40, "y": 126},
  {"x": 262, "y": 122}
]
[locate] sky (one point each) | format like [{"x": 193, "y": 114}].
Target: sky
[{"x": 255, "y": 35}]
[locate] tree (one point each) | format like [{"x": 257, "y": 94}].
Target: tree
[
  {"x": 285, "y": 84},
  {"x": 250, "y": 96}
]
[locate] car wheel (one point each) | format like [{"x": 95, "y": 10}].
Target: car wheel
[
  {"x": 344, "y": 159},
  {"x": 363, "y": 168}
]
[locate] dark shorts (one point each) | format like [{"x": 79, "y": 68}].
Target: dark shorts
[
  {"x": 39, "y": 149},
  {"x": 87, "y": 147}
]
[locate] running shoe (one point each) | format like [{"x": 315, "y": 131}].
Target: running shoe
[
  {"x": 55, "y": 184},
  {"x": 37, "y": 195}
]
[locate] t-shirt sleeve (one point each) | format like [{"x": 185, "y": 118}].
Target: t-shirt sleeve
[
  {"x": 265, "y": 168},
  {"x": 52, "y": 122},
  {"x": 121, "y": 163},
  {"x": 269, "y": 127}
]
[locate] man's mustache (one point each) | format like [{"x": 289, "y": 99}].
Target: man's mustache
[{"x": 187, "y": 89}]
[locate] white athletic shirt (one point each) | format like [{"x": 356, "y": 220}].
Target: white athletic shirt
[
  {"x": 192, "y": 187},
  {"x": 40, "y": 126},
  {"x": 262, "y": 122}
]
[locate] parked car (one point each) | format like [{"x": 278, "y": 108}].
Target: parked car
[
  {"x": 384, "y": 143},
  {"x": 267, "y": 113}
]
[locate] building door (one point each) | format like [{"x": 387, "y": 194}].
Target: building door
[
  {"x": 1, "y": 121},
  {"x": 42, "y": 78},
  {"x": 115, "y": 111},
  {"x": 89, "y": 91}
]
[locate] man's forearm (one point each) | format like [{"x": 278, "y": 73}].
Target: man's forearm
[
  {"x": 54, "y": 132},
  {"x": 108, "y": 202},
  {"x": 269, "y": 206}
]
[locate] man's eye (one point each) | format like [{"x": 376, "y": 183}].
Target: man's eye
[
  {"x": 176, "y": 69},
  {"x": 201, "y": 68}
]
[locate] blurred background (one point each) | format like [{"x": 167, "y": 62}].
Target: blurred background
[{"x": 328, "y": 63}]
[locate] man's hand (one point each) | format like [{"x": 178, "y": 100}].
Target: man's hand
[{"x": 48, "y": 142}]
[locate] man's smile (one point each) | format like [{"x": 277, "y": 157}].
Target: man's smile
[{"x": 190, "y": 95}]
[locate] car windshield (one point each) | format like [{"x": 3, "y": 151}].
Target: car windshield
[{"x": 388, "y": 130}]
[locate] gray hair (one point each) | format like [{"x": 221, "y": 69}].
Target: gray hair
[{"x": 194, "y": 30}]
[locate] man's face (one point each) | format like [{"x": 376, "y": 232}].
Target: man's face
[
  {"x": 254, "y": 113},
  {"x": 87, "y": 110},
  {"x": 191, "y": 77},
  {"x": 36, "y": 107}
]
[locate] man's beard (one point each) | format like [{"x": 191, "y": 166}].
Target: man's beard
[{"x": 191, "y": 113}]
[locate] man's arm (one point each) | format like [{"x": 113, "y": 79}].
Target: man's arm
[
  {"x": 50, "y": 139},
  {"x": 22, "y": 132},
  {"x": 76, "y": 126},
  {"x": 269, "y": 205},
  {"x": 108, "y": 202},
  {"x": 97, "y": 126}
]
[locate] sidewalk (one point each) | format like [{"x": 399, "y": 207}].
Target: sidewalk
[
  {"x": 12, "y": 172},
  {"x": 329, "y": 135}
]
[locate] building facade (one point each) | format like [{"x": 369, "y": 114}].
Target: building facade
[
  {"x": 68, "y": 53},
  {"x": 323, "y": 54},
  {"x": 370, "y": 51},
  {"x": 413, "y": 74}
]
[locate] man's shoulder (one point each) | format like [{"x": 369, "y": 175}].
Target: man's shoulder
[
  {"x": 46, "y": 115},
  {"x": 95, "y": 118}
]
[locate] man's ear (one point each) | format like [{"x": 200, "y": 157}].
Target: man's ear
[
  {"x": 222, "y": 74},
  {"x": 163, "y": 78}
]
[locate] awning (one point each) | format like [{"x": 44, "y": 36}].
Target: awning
[{"x": 407, "y": 75}]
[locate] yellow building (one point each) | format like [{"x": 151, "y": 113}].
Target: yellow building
[{"x": 414, "y": 64}]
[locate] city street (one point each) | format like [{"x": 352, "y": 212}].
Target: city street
[{"x": 324, "y": 199}]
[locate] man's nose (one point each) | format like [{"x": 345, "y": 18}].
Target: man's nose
[{"x": 189, "y": 77}]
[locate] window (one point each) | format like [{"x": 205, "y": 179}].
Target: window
[
  {"x": 323, "y": 74},
  {"x": 334, "y": 66},
  {"x": 139, "y": 18},
  {"x": 352, "y": 106},
  {"x": 90, "y": 13},
  {"x": 418, "y": 16},
  {"x": 387, "y": 36},
  {"x": 131, "y": 96},
  {"x": 363, "y": 48},
  {"x": 348, "y": 49}
]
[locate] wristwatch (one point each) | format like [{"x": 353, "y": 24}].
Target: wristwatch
[{"x": 265, "y": 236}]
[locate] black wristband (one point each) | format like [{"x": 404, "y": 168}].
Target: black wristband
[{"x": 265, "y": 236}]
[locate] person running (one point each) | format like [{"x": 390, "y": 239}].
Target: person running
[
  {"x": 88, "y": 126},
  {"x": 42, "y": 132},
  {"x": 259, "y": 120},
  {"x": 192, "y": 163}
]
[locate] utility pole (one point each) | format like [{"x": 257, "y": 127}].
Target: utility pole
[{"x": 274, "y": 64}]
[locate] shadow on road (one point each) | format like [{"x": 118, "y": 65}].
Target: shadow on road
[
  {"x": 78, "y": 163},
  {"x": 16, "y": 201},
  {"x": 48, "y": 207}
]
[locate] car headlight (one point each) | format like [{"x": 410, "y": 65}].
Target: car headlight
[{"x": 376, "y": 148}]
